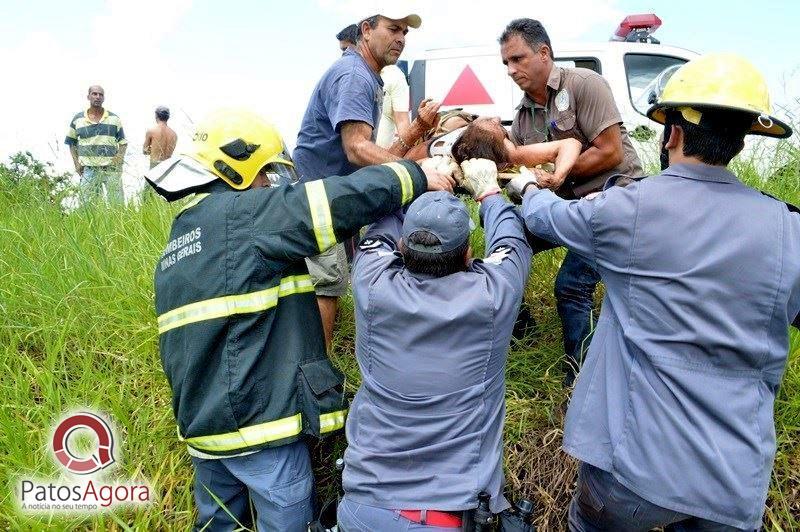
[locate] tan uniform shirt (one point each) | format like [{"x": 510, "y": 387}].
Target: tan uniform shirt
[{"x": 580, "y": 106}]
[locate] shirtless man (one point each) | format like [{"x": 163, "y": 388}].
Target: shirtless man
[{"x": 160, "y": 140}]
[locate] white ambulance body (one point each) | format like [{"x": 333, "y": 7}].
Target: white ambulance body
[{"x": 475, "y": 79}]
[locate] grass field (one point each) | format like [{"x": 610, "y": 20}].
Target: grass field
[{"x": 77, "y": 329}]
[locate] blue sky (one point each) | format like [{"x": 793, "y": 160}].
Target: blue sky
[{"x": 194, "y": 55}]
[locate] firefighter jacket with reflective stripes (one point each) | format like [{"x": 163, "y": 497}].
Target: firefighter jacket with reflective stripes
[{"x": 240, "y": 333}]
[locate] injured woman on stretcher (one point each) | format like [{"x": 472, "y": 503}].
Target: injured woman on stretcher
[{"x": 486, "y": 138}]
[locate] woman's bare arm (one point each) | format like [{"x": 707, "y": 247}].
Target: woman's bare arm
[{"x": 563, "y": 153}]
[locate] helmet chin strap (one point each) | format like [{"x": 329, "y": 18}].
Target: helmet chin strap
[
  {"x": 226, "y": 170},
  {"x": 664, "y": 155}
]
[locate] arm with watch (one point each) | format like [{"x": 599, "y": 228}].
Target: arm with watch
[
  {"x": 426, "y": 120},
  {"x": 362, "y": 151}
]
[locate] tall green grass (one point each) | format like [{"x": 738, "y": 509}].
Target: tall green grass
[{"x": 77, "y": 328}]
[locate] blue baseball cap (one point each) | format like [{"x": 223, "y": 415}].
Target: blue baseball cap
[{"x": 441, "y": 214}]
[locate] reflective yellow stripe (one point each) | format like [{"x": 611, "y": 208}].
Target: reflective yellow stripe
[
  {"x": 320, "y": 214},
  {"x": 220, "y": 307},
  {"x": 248, "y": 436},
  {"x": 194, "y": 201},
  {"x": 331, "y": 421},
  {"x": 406, "y": 184},
  {"x": 99, "y": 140},
  {"x": 101, "y": 162}
]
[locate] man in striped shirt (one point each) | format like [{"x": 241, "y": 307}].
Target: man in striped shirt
[{"x": 97, "y": 144}]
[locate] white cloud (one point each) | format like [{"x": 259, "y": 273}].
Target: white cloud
[
  {"x": 34, "y": 95},
  {"x": 129, "y": 58},
  {"x": 137, "y": 25},
  {"x": 52, "y": 78}
]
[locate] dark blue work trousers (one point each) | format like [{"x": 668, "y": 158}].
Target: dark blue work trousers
[
  {"x": 276, "y": 481},
  {"x": 601, "y": 503},
  {"x": 574, "y": 291}
]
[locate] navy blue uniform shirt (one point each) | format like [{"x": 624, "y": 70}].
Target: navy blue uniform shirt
[{"x": 349, "y": 91}]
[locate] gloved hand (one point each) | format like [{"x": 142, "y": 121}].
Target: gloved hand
[
  {"x": 517, "y": 187},
  {"x": 439, "y": 172},
  {"x": 447, "y": 166},
  {"x": 480, "y": 178}
]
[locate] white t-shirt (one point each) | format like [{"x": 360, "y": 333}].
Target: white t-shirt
[{"x": 395, "y": 99}]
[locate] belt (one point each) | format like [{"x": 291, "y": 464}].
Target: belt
[{"x": 433, "y": 518}]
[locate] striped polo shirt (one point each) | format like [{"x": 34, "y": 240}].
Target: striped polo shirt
[{"x": 97, "y": 142}]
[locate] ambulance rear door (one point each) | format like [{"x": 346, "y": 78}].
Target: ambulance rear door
[{"x": 472, "y": 78}]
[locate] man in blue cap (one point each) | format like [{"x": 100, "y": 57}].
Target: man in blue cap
[{"x": 432, "y": 335}]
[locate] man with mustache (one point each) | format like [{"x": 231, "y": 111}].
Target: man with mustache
[
  {"x": 337, "y": 135},
  {"x": 97, "y": 143},
  {"x": 564, "y": 103}
]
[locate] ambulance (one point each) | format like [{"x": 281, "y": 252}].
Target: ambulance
[{"x": 635, "y": 64}]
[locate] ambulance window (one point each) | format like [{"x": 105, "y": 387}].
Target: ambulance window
[
  {"x": 592, "y": 63},
  {"x": 647, "y": 74}
]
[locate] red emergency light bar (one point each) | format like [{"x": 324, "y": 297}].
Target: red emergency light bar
[{"x": 645, "y": 23}]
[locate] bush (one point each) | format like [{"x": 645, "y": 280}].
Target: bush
[{"x": 24, "y": 180}]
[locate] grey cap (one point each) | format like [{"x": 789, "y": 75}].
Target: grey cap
[
  {"x": 162, "y": 111},
  {"x": 441, "y": 214}
]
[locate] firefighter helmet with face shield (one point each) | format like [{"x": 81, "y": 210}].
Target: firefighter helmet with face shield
[
  {"x": 237, "y": 144},
  {"x": 229, "y": 144}
]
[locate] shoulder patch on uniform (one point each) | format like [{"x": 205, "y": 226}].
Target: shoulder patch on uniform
[
  {"x": 369, "y": 244},
  {"x": 498, "y": 255},
  {"x": 562, "y": 100}
]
